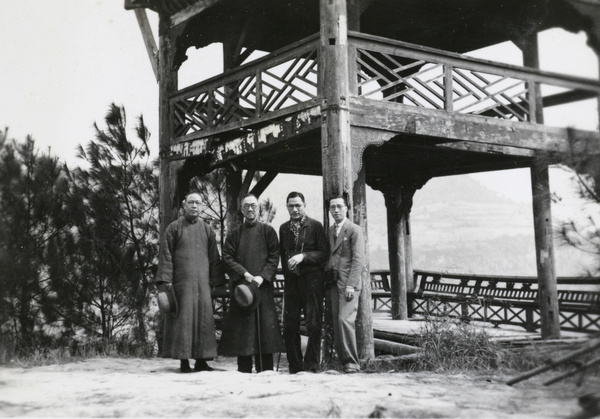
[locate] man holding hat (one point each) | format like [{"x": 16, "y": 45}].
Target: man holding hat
[
  {"x": 251, "y": 256},
  {"x": 188, "y": 266}
]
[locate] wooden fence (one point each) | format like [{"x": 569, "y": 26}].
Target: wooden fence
[{"x": 494, "y": 299}]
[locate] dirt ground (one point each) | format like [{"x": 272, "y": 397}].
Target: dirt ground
[{"x": 131, "y": 387}]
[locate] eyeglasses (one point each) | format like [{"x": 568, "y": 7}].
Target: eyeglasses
[
  {"x": 250, "y": 206},
  {"x": 334, "y": 207},
  {"x": 194, "y": 203},
  {"x": 292, "y": 206}
]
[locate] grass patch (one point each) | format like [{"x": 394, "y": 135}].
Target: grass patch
[
  {"x": 450, "y": 345},
  {"x": 59, "y": 352}
]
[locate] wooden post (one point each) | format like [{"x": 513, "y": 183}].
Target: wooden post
[
  {"x": 364, "y": 318},
  {"x": 334, "y": 85},
  {"x": 398, "y": 203},
  {"x": 336, "y": 149},
  {"x": 167, "y": 84},
  {"x": 542, "y": 223},
  {"x": 234, "y": 186},
  {"x": 396, "y": 251},
  {"x": 530, "y": 50},
  {"x": 542, "y": 220}
]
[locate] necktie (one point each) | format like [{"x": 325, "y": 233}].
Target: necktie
[{"x": 335, "y": 232}]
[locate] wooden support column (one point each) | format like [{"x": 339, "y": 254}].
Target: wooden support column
[
  {"x": 339, "y": 174},
  {"x": 167, "y": 84},
  {"x": 542, "y": 223},
  {"x": 542, "y": 219},
  {"x": 364, "y": 318},
  {"x": 234, "y": 187},
  {"x": 335, "y": 114},
  {"x": 398, "y": 202}
]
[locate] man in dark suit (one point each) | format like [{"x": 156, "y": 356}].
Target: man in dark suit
[
  {"x": 345, "y": 266},
  {"x": 304, "y": 251}
]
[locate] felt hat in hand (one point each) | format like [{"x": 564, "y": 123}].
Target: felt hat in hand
[
  {"x": 247, "y": 295},
  {"x": 167, "y": 302}
]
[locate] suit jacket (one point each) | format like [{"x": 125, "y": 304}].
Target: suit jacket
[
  {"x": 347, "y": 260},
  {"x": 312, "y": 241}
]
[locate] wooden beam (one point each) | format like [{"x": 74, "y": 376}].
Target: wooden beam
[
  {"x": 274, "y": 133},
  {"x": 191, "y": 11},
  {"x": 393, "y": 119},
  {"x": 247, "y": 182},
  {"x": 264, "y": 182},
  {"x": 149, "y": 41}
]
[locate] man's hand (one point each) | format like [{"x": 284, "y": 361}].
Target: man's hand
[
  {"x": 248, "y": 277},
  {"x": 295, "y": 260},
  {"x": 349, "y": 293},
  {"x": 258, "y": 279},
  {"x": 164, "y": 286}
]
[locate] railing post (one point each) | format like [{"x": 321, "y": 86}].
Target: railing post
[
  {"x": 448, "y": 88},
  {"x": 259, "y": 97},
  {"x": 531, "y": 59}
]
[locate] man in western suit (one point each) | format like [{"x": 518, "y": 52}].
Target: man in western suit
[
  {"x": 304, "y": 251},
  {"x": 345, "y": 268}
]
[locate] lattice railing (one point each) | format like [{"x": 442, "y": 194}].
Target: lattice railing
[
  {"x": 276, "y": 83},
  {"x": 422, "y": 77},
  {"x": 495, "y": 299}
]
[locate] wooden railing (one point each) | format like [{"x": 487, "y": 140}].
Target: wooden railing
[
  {"x": 414, "y": 75},
  {"x": 494, "y": 299},
  {"x": 286, "y": 82},
  {"x": 277, "y": 84}
]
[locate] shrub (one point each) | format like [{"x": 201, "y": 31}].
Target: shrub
[{"x": 451, "y": 345}]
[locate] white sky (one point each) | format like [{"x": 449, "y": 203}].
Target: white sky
[{"x": 62, "y": 63}]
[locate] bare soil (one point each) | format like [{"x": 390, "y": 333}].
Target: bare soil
[{"x": 131, "y": 387}]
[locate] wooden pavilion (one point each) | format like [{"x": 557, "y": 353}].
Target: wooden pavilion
[{"x": 368, "y": 92}]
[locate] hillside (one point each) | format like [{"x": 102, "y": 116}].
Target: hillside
[{"x": 458, "y": 225}]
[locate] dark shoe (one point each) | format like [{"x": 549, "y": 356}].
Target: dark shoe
[
  {"x": 201, "y": 365},
  {"x": 184, "y": 366}
]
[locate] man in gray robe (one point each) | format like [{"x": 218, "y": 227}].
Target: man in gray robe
[
  {"x": 189, "y": 262},
  {"x": 251, "y": 255}
]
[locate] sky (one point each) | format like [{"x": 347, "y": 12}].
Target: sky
[{"x": 63, "y": 62}]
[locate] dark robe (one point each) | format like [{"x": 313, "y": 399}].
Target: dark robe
[
  {"x": 253, "y": 249},
  {"x": 189, "y": 259}
]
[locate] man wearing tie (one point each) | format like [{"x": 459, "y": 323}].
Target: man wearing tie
[{"x": 345, "y": 268}]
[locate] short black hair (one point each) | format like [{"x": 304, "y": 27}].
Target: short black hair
[
  {"x": 295, "y": 195},
  {"x": 339, "y": 197}
]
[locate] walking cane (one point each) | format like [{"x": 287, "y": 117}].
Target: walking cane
[{"x": 258, "y": 332}]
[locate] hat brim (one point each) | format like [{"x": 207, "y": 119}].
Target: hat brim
[
  {"x": 247, "y": 295},
  {"x": 167, "y": 302}
]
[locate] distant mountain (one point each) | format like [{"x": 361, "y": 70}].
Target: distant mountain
[{"x": 457, "y": 225}]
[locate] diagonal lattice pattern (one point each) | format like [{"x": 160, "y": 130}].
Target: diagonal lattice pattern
[{"x": 271, "y": 86}]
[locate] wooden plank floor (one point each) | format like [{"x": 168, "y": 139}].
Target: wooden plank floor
[{"x": 409, "y": 328}]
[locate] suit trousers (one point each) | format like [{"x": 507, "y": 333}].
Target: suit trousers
[
  {"x": 303, "y": 293},
  {"x": 344, "y": 331},
  {"x": 262, "y": 363}
]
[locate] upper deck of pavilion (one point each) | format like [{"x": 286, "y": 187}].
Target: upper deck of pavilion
[{"x": 445, "y": 95}]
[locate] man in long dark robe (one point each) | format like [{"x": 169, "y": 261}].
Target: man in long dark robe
[
  {"x": 189, "y": 262},
  {"x": 251, "y": 254}
]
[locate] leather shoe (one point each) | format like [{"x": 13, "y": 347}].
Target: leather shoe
[
  {"x": 201, "y": 365},
  {"x": 184, "y": 366}
]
